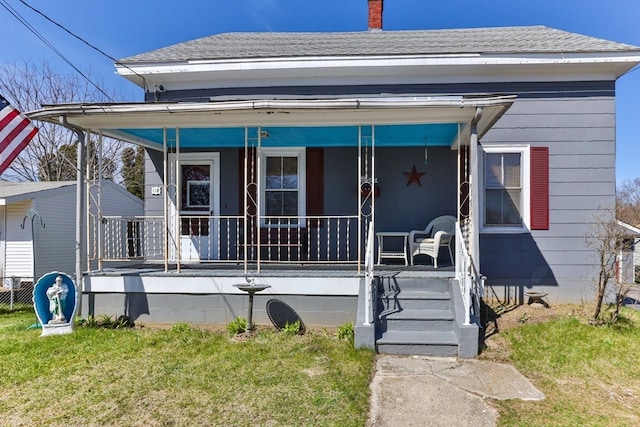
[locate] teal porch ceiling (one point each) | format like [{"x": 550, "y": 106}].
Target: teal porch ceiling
[{"x": 441, "y": 134}]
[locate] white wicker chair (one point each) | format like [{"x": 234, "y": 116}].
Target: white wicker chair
[{"x": 438, "y": 233}]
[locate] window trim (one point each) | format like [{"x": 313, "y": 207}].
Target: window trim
[
  {"x": 525, "y": 170},
  {"x": 300, "y": 153}
]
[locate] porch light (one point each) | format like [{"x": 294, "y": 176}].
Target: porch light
[{"x": 264, "y": 134}]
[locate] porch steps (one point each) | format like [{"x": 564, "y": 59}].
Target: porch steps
[
  {"x": 432, "y": 343},
  {"x": 417, "y": 317}
]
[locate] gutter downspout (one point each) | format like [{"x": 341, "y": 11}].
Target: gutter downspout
[
  {"x": 475, "y": 196},
  {"x": 80, "y": 202}
]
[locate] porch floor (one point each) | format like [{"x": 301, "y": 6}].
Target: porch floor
[{"x": 270, "y": 270}]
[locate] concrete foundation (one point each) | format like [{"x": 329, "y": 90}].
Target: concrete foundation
[{"x": 314, "y": 310}]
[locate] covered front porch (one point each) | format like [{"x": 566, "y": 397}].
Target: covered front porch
[
  {"x": 317, "y": 212},
  {"x": 303, "y": 184}
]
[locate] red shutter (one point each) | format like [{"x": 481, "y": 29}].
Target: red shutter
[
  {"x": 540, "y": 188},
  {"x": 315, "y": 183}
]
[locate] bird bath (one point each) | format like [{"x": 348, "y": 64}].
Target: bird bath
[{"x": 251, "y": 288}]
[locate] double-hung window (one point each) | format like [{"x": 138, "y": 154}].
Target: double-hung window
[
  {"x": 283, "y": 189},
  {"x": 505, "y": 172}
]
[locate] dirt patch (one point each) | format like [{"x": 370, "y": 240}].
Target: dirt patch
[
  {"x": 244, "y": 336},
  {"x": 499, "y": 318}
]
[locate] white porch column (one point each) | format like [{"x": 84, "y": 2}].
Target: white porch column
[
  {"x": 245, "y": 197},
  {"x": 359, "y": 198},
  {"x": 365, "y": 175},
  {"x": 165, "y": 189},
  {"x": 80, "y": 225},
  {"x": 474, "y": 213},
  {"x": 99, "y": 214},
  {"x": 259, "y": 200},
  {"x": 373, "y": 177},
  {"x": 178, "y": 202}
]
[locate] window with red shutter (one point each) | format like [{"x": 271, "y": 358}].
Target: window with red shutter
[{"x": 514, "y": 197}]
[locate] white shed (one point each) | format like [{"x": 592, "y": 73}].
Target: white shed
[
  {"x": 629, "y": 257},
  {"x": 53, "y": 236}
]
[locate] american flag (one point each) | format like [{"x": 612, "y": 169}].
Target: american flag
[{"x": 15, "y": 133}]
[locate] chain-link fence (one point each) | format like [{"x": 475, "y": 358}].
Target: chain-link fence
[{"x": 16, "y": 291}]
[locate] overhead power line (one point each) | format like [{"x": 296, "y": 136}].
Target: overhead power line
[
  {"x": 24, "y": 22},
  {"x": 144, "y": 82}
]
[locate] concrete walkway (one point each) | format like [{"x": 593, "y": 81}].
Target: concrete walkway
[{"x": 424, "y": 391}]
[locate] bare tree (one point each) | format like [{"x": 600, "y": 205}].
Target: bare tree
[
  {"x": 610, "y": 242},
  {"x": 628, "y": 202},
  {"x": 50, "y": 156}
]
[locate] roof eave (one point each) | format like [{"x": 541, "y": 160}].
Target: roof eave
[
  {"x": 335, "y": 112},
  {"x": 251, "y": 72}
]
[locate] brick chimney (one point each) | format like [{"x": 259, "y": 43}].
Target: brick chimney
[{"x": 375, "y": 15}]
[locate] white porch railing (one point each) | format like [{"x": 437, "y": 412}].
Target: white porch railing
[
  {"x": 207, "y": 238},
  {"x": 308, "y": 239},
  {"x": 117, "y": 238},
  {"x": 469, "y": 278}
]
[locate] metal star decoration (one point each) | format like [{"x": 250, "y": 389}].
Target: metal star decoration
[{"x": 414, "y": 176}]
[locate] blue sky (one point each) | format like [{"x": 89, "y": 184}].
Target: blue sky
[{"x": 127, "y": 27}]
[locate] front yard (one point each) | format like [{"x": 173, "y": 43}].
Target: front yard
[
  {"x": 589, "y": 374},
  {"x": 182, "y": 375},
  {"x": 179, "y": 376}
]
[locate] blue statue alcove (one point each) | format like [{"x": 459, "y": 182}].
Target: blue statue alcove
[{"x": 43, "y": 293}]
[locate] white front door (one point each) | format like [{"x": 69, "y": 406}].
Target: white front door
[{"x": 199, "y": 204}]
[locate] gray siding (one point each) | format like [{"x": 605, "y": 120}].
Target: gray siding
[
  {"x": 523, "y": 89},
  {"x": 580, "y": 133},
  {"x": 398, "y": 207},
  {"x": 402, "y": 208},
  {"x": 153, "y": 175},
  {"x": 229, "y": 177},
  {"x": 576, "y": 120},
  {"x": 340, "y": 181},
  {"x": 230, "y": 182}
]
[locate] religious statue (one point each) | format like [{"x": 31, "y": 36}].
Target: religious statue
[{"x": 57, "y": 295}]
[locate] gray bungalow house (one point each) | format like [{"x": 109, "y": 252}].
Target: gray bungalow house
[{"x": 303, "y": 161}]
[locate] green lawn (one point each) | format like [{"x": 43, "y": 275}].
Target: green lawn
[
  {"x": 590, "y": 375},
  {"x": 182, "y": 376},
  {"x": 188, "y": 376}
]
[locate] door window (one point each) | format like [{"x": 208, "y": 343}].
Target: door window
[{"x": 196, "y": 198}]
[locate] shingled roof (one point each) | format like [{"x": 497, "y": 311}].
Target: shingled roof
[{"x": 503, "y": 40}]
